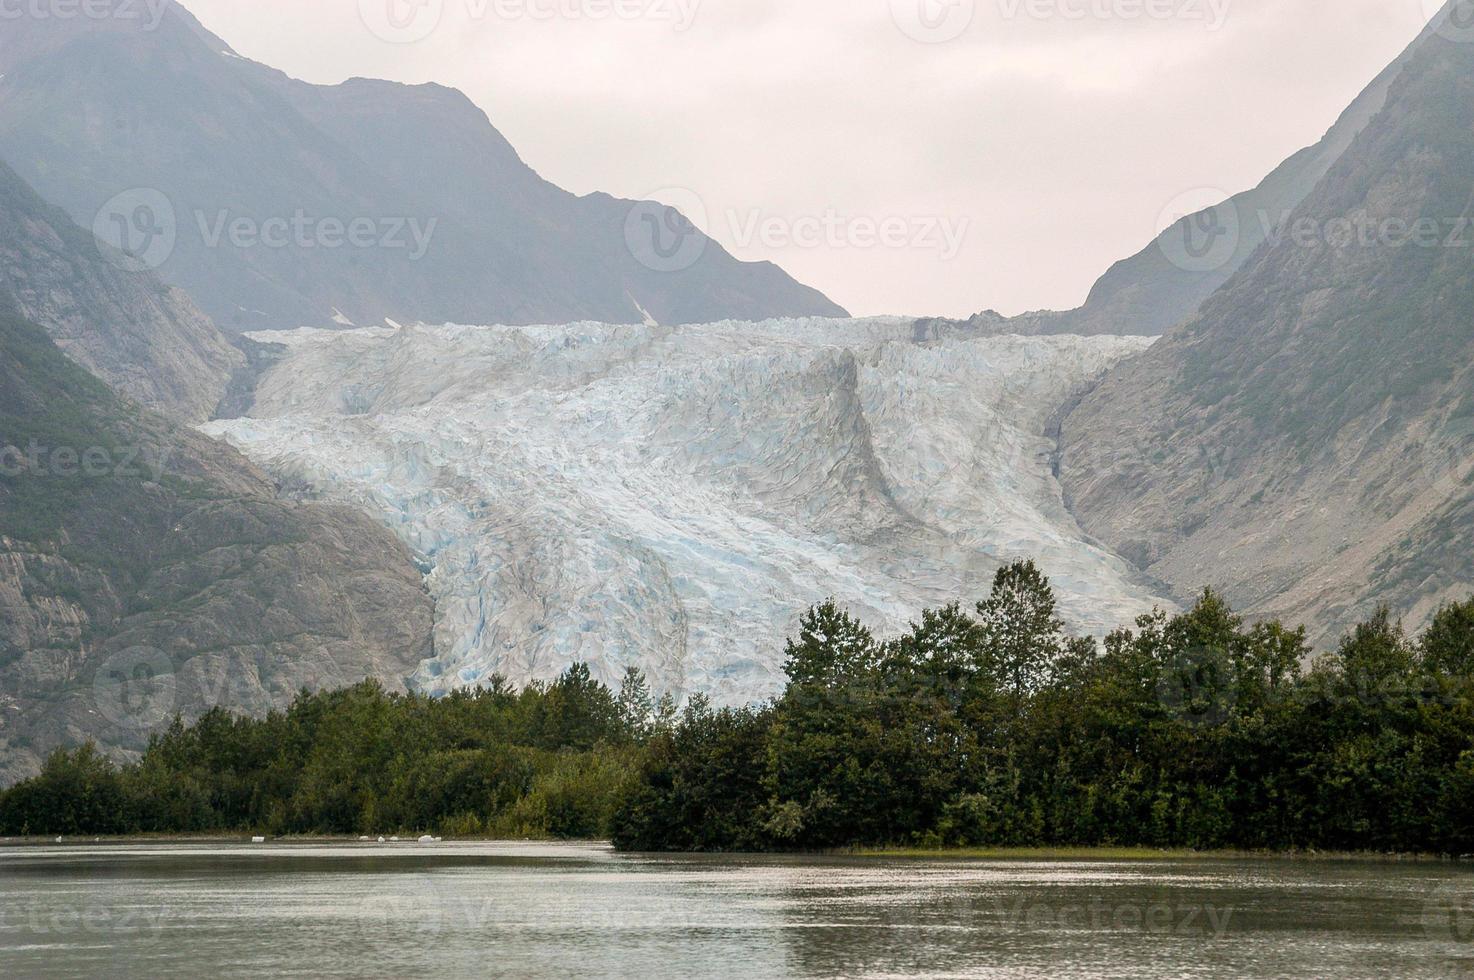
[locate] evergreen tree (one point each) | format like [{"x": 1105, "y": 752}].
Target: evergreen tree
[
  {"x": 1448, "y": 645},
  {"x": 832, "y": 647},
  {"x": 1022, "y": 637},
  {"x": 636, "y": 709}
]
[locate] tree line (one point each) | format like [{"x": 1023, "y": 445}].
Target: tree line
[{"x": 988, "y": 726}]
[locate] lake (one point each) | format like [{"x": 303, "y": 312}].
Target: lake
[{"x": 561, "y": 910}]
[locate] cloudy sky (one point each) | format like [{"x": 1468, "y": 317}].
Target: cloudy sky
[{"x": 904, "y": 156}]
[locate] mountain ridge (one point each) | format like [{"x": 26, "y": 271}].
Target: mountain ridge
[
  {"x": 1153, "y": 290},
  {"x": 90, "y": 110},
  {"x": 145, "y": 339},
  {"x": 1304, "y": 440}
]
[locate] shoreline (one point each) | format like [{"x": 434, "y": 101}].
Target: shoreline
[
  {"x": 1104, "y": 853},
  {"x": 1020, "y": 854}
]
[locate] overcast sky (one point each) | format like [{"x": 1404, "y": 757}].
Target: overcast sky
[{"x": 904, "y": 156}]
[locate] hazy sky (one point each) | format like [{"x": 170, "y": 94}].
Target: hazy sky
[{"x": 904, "y": 156}]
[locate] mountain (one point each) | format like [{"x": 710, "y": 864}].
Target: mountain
[
  {"x": 1165, "y": 283},
  {"x": 147, "y": 570},
  {"x": 1306, "y": 441},
  {"x": 276, "y": 203},
  {"x": 147, "y": 340},
  {"x": 674, "y": 498}
]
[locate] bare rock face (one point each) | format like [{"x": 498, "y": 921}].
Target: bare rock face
[
  {"x": 147, "y": 340},
  {"x": 1307, "y": 440},
  {"x": 146, "y": 571}
]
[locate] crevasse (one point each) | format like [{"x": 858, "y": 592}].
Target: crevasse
[{"x": 674, "y": 497}]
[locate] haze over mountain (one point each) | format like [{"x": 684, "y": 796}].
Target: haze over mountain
[
  {"x": 253, "y": 183},
  {"x": 145, "y": 339},
  {"x": 1167, "y": 281},
  {"x": 1306, "y": 441}
]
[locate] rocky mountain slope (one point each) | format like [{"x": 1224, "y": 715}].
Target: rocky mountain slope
[
  {"x": 146, "y": 340},
  {"x": 1307, "y": 440},
  {"x": 675, "y": 498},
  {"x": 1168, "y": 280},
  {"x": 146, "y": 570},
  {"x": 254, "y": 182}
]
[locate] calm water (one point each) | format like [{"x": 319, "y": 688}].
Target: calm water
[{"x": 529, "y": 910}]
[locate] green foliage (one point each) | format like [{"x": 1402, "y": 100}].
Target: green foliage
[
  {"x": 1184, "y": 731},
  {"x": 551, "y": 760},
  {"x": 1192, "y": 730}
]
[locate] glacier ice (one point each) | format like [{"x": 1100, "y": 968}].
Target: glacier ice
[{"x": 674, "y": 497}]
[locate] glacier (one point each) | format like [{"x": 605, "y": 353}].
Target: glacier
[{"x": 673, "y": 498}]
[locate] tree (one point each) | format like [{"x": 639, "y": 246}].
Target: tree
[
  {"x": 1376, "y": 655},
  {"x": 940, "y": 650},
  {"x": 1448, "y": 645},
  {"x": 636, "y": 709},
  {"x": 1201, "y": 654},
  {"x": 832, "y": 648},
  {"x": 1022, "y": 637}
]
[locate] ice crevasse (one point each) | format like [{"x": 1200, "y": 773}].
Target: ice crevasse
[{"x": 673, "y": 498}]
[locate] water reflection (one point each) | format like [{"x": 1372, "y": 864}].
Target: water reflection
[{"x": 576, "y": 910}]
